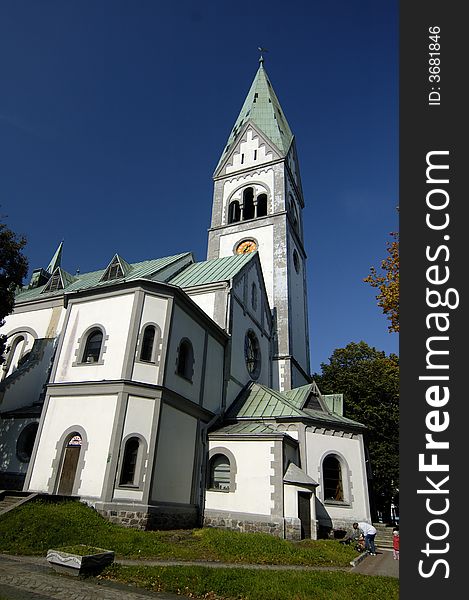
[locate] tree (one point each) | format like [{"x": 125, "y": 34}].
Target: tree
[
  {"x": 369, "y": 381},
  {"x": 388, "y": 283},
  {"x": 13, "y": 269}
]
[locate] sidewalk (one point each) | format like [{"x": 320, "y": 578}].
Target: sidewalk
[
  {"x": 31, "y": 578},
  {"x": 381, "y": 564}
]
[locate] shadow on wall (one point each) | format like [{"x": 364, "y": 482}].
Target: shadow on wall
[{"x": 324, "y": 521}]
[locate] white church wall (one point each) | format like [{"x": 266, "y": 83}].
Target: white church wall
[
  {"x": 351, "y": 453},
  {"x": 139, "y": 420},
  {"x": 139, "y": 417},
  {"x": 95, "y": 415},
  {"x": 253, "y": 486},
  {"x": 206, "y": 302},
  {"x": 241, "y": 324},
  {"x": 154, "y": 312},
  {"x": 28, "y": 387},
  {"x": 183, "y": 326},
  {"x": 298, "y": 316},
  {"x": 113, "y": 313},
  {"x": 173, "y": 471},
  {"x": 38, "y": 320},
  {"x": 213, "y": 388},
  {"x": 264, "y": 237}
]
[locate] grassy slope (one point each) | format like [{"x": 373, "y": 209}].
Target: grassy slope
[{"x": 35, "y": 527}]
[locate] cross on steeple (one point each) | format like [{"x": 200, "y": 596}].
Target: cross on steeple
[{"x": 261, "y": 50}]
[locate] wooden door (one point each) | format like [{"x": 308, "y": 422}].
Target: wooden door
[
  {"x": 69, "y": 470},
  {"x": 304, "y": 514}
]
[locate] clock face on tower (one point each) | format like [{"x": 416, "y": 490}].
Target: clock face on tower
[{"x": 246, "y": 246}]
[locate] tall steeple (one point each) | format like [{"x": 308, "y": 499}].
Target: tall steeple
[
  {"x": 258, "y": 198},
  {"x": 262, "y": 109}
]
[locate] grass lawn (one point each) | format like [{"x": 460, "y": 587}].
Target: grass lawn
[
  {"x": 248, "y": 584},
  {"x": 35, "y": 527}
]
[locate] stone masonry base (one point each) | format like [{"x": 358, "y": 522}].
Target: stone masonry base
[
  {"x": 147, "y": 517},
  {"x": 287, "y": 528}
]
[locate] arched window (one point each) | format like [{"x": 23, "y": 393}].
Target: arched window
[
  {"x": 262, "y": 205},
  {"x": 129, "y": 462},
  {"x": 248, "y": 204},
  {"x": 332, "y": 479},
  {"x": 219, "y": 473},
  {"x": 94, "y": 342},
  {"x": 25, "y": 443},
  {"x": 254, "y": 296},
  {"x": 14, "y": 354},
  {"x": 148, "y": 343},
  {"x": 234, "y": 212},
  {"x": 185, "y": 359}
]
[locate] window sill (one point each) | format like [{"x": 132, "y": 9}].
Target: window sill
[
  {"x": 219, "y": 491},
  {"x": 340, "y": 503},
  {"x": 128, "y": 486},
  {"x": 184, "y": 377},
  {"x": 88, "y": 364}
]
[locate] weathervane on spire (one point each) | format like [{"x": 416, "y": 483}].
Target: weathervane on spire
[{"x": 262, "y": 50}]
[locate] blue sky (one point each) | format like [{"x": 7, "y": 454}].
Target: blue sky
[{"x": 113, "y": 115}]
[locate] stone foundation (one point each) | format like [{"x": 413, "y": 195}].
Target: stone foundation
[
  {"x": 245, "y": 523},
  {"x": 292, "y": 528},
  {"x": 146, "y": 517}
]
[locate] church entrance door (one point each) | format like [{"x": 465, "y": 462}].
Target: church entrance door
[
  {"x": 304, "y": 514},
  {"x": 69, "y": 466}
]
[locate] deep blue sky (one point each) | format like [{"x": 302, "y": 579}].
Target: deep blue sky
[{"x": 113, "y": 115}]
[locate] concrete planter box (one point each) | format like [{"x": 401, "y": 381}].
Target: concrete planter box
[{"x": 89, "y": 561}]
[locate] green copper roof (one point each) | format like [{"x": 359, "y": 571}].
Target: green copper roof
[
  {"x": 148, "y": 269},
  {"x": 258, "y": 401},
  {"x": 298, "y": 396},
  {"x": 211, "y": 271},
  {"x": 262, "y": 108}
]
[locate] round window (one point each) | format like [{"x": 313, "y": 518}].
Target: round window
[
  {"x": 25, "y": 443},
  {"x": 252, "y": 354}
]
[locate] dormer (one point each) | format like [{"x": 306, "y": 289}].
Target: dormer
[
  {"x": 116, "y": 269},
  {"x": 59, "y": 280}
]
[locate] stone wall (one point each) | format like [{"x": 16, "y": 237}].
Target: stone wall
[
  {"x": 150, "y": 517},
  {"x": 245, "y": 524}
]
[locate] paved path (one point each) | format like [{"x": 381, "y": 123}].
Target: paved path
[
  {"x": 31, "y": 578},
  {"x": 381, "y": 564}
]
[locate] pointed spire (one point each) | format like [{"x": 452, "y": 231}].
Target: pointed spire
[
  {"x": 263, "y": 109},
  {"x": 56, "y": 259}
]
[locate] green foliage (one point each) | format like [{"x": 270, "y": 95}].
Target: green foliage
[
  {"x": 13, "y": 269},
  {"x": 69, "y": 524},
  {"x": 369, "y": 381},
  {"x": 249, "y": 584}
]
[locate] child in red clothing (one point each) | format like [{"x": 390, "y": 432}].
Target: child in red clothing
[{"x": 395, "y": 544}]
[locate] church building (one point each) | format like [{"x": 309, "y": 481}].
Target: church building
[{"x": 173, "y": 393}]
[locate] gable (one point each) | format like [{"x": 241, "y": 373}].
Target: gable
[{"x": 250, "y": 149}]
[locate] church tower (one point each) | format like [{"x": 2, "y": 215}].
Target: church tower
[{"x": 257, "y": 206}]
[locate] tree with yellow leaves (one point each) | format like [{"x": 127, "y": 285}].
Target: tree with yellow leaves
[{"x": 388, "y": 283}]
